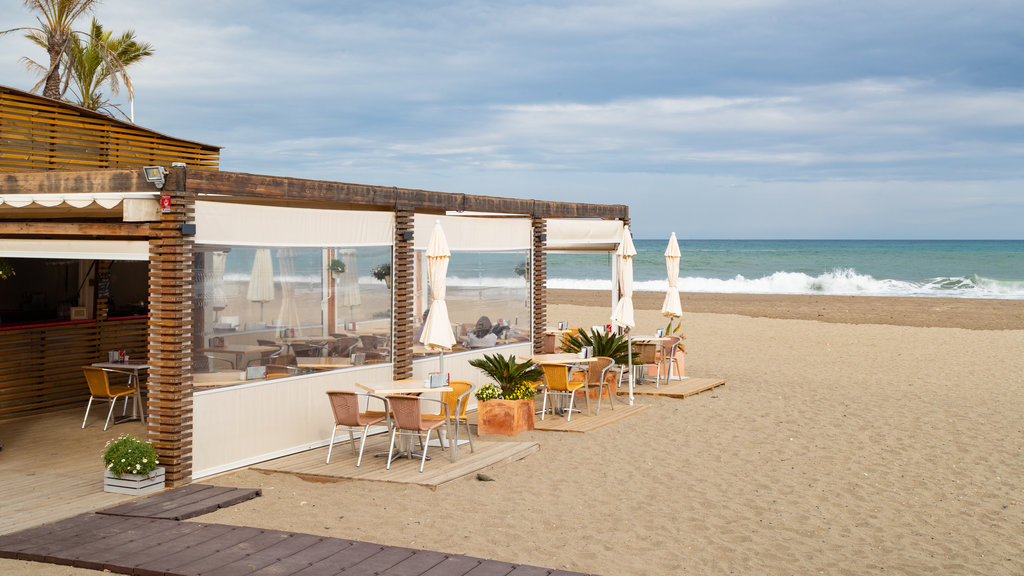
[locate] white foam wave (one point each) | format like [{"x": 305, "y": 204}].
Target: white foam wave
[{"x": 841, "y": 282}]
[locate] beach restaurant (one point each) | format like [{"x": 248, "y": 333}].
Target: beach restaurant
[{"x": 238, "y": 300}]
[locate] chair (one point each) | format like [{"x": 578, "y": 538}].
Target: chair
[
  {"x": 598, "y": 379},
  {"x": 648, "y": 354},
  {"x": 306, "y": 350},
  {"x": 101, "y": 389},
  {"x": 343, "y": 344},
  {"x": 457, "y": 400},
  {"x": 668, "y": 356},
  {"x": 267, "y": 357},
  {"x": 345, "y": 406},
  {"x": 408, "y": 420},
  {"x": 556, "y": 381}
]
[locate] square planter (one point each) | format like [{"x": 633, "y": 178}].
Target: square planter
[
  {"x": 134, "y": 484},
  {"x": 505, "y": 417}
]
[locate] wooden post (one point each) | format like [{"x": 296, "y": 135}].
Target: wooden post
[
  {"x": 169, "y": 405},
  {"x": 539, "y": 279},
  {"x": 402, "y": 294}
]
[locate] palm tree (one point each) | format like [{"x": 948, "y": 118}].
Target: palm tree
[
  {"x": 54, "y": 34},
  {"x": 100, "y": 60}
]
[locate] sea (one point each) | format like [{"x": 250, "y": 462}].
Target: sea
[{"x": 915, "y": 268}]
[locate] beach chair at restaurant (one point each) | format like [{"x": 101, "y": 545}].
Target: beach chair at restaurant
[
  {"x": 345, "y": 406},
  {"x": 101, "y": 389},
  {"x": 266, "y": 357},
  {"x": 668, "y": 357},
  {"x": 407, "y": 420},
  {"x": 457, "y": 401},
  {"x": 648, "y": 354},
  {"x": 557, "y": 382},
  {"x": 597, "y": 378}
]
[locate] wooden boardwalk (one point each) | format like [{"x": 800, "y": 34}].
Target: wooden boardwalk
[
  {"x": 183, "y": 503},
  {"x": 582, "y": 422},
  {"x": 438, "y": 470},
  {"x": 160, "y": 547},
  {"x": 676, "y": 388},
  {"x": 50, "y": 468}
]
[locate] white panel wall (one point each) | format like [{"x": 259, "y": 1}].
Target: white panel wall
[{"x": 242, "y": 425}]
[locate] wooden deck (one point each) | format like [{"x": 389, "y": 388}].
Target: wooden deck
[
  {"x": 160, "y": 547},
  {"x": 183, "y": 503},
  {"x": 582, "y": 422},
  {"x": 676, "y": 388},
  {"x": 50, "y": 468},
  {"x": 438, "y": 470}
]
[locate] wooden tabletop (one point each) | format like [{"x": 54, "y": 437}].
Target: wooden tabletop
[
  {"x": 565, "y": 358},
  {"x": 323, "y": 363},
  {"x": 239, "y": 349},
  {"x": 409, "y": 386},
  {"x": 121, "y": 366}
]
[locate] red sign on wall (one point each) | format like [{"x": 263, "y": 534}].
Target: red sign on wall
[{"x": 165, "y": 203}]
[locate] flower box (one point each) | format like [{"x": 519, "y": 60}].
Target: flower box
[
  {"x": 505, "y": 417},
  {"x": 134, "y": 484}
]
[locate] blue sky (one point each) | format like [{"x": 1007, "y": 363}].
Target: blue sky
[{"x": 713, "y": 119}]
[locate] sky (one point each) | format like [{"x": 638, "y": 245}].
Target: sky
[{"x": 708, "y": 118}]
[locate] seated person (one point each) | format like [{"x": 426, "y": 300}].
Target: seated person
[{"x": 482, "y": 336}]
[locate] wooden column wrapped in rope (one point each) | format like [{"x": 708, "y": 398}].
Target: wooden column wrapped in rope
[
  {"x": 169, "y": 407},
  {"x": 402, "y": 296},
  {"x": 539, "y": 279}
]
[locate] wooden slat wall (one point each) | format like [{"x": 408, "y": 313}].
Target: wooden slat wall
[
  {"x": 170, "y": 335},
  {"x": 37, "y": 133},
  {"x": 539, "y": 279},
  {"x": 402, "y": 296},
  {"x": 41, "y": 367}
]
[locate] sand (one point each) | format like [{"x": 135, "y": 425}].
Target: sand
[{"x": 853, "y": 436}]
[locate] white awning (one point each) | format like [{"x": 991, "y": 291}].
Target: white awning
[
  {"x": 106, "y": 200},
  {"x": 231, "y": 224},
  {"x": 75, "y": 249},
  {"x": 469, "y": 234},
  {"x": 583, "y": 235}
]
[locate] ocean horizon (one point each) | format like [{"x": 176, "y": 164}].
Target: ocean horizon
[{"x": 991, "y": 269}]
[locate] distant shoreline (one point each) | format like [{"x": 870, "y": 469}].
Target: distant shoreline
[{"x": 968, "y": 313}]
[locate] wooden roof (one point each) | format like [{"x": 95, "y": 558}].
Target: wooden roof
[{"x": 38, "y": 133}]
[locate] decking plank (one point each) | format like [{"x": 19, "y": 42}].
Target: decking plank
[
  {"x": 492, "y": 568},
  {"x": 171, "y": 564},
  {"x": 290, "y": 565},
  {"x": 126, "y": 558},
  {"x": 257, "y": 560},
  {"x": 417, "y": 564},
  {"x": 344, "y": 558},
  {"x": 454, "y": 565},
  {"x": 261, "y": 540},
  {"x": 144, "y": 506}
]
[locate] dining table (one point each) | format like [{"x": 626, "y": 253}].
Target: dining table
[
  {"x": 409, "y": 386},
  {"x": 131, "y": 369},
  {"x": 565, "y": 359},
  {"x": 323, "y": 363}
]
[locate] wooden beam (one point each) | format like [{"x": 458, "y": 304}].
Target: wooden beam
[
  {"x": 234, "y": 184},
  {"x": 74, "y": 181},
  {"x": 50, "y": 229}
]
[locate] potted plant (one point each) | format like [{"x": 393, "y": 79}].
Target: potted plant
[
  {"x": 383, "y": 273},
  {"x": 131, "y": 467},
  {"x": 506, "y": 407},
  {"x": 337, "y": 267},
  {"x": 605, "y": 343},
  {"x": 6, "y": 270}
]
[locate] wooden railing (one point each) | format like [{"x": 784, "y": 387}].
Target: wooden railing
[
  {"x": 41, "y": 134},
  {"x": 41, "y": 365}
]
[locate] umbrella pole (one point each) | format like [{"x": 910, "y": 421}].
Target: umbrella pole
[
  {"x": 440, "y": 362},
  {"x": 629, "y": 361}
]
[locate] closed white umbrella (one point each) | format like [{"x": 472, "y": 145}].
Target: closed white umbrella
[
  {"x": 437, "y": 329},
  {"x": 215, "y": 284},
  {"x": 261, "y": 279},
  {"x": 623, "y": 313},
  {"x": 348, "y": 287},
  {"x": 672, "y": 307}
]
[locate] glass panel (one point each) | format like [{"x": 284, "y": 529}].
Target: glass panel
[
  {"x": 488, "y": 298},
  {"x": 287, "y": 311}
]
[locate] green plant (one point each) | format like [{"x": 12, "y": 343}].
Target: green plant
[
  {"x": 609, "y": 344},
  {"x": 513, "y": 379},
  {"x": 128, "y": 455},
  {"x": 382, "y": 272},
  {"x": 6, "y": 270},
  {"x": 523, "y": 269},
  {"x": 336, "y": 266}
]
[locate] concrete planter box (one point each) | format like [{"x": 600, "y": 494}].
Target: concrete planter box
[
  {"x": 134, "y": 484},
  {"x": 505, "y": 417}
]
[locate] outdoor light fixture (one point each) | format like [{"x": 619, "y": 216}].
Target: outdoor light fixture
[
  {"x": 543, "y": 237},
  {"x": 407, "y": 235},
  {"x": 154, "y": 174}
]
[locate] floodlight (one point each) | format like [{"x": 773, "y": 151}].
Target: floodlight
[{"x": 154, "y": 174}]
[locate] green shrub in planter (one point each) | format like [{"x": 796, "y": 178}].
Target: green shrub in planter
[{"x": 129, "y": 455}]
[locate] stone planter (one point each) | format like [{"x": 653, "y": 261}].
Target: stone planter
[
  {"x": 134, "y": 484},
  {"x": 505, "y": 417}
]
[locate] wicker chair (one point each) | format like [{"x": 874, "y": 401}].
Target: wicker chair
[
  {"x": 345, "y": 406},
  {"x": 408, "y": 420}
]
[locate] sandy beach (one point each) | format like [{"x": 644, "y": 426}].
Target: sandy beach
[{"x": 854, "y": 436}]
